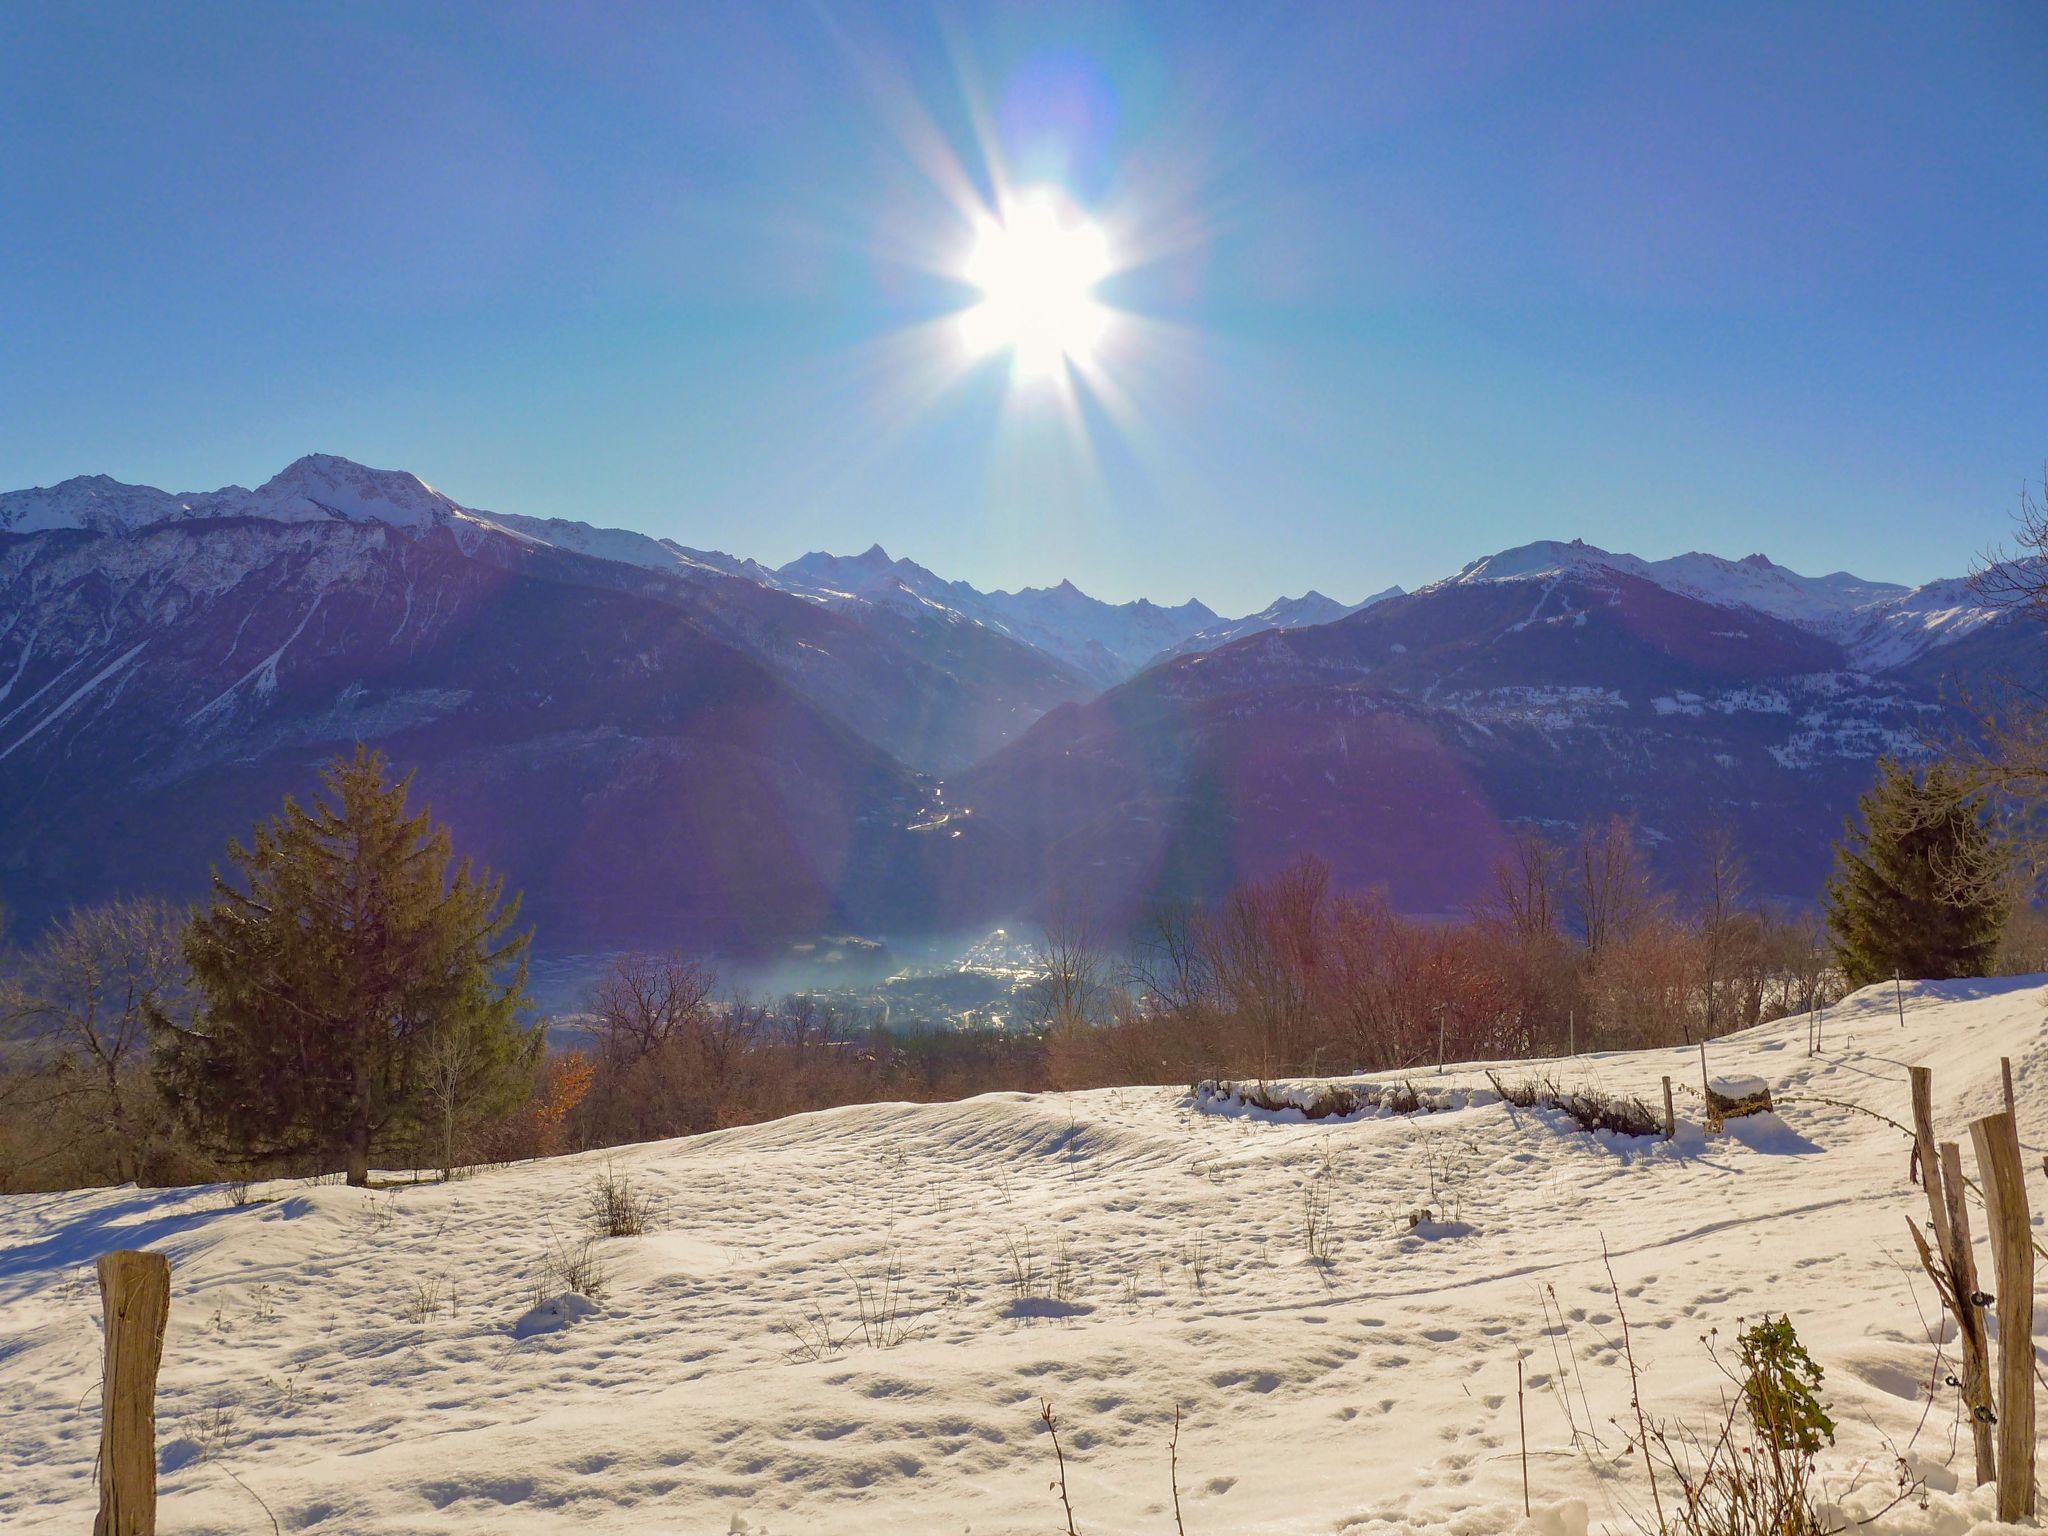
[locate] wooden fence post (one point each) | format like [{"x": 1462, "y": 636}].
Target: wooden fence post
[
  {"x": 1962, "y": 1268},
  {"x": 1997, "y": 1142},
  {"x": 135, "y": 1294},
  {"x": 1670, "y": 1117},
  {"x": 1922, "y": 1079},
  {"x": 2005, "y": 1071}
]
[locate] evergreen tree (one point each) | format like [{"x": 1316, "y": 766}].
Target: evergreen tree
[
  {"x": 350, "y": 958},
  {"x": 1909, "y": 895}
]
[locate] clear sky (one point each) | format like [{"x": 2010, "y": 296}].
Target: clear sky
[{"x": 1396, "y": 287}]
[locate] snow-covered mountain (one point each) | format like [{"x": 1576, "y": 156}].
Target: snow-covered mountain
[
  {"x": 1286, "y": 613},
  {"x": 1880, "y": 624},
  {"x": 660, "y": 740},
  {"x": 1103, "y": 642},
  {"x": 102, "y": 504},
  {"x": 1547, "y": 686}
]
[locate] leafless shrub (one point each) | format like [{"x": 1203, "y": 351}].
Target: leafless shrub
[
  {"x": 1447, "y": 1162},
  {"x": 1020, "y": 1259},
  {"x": 1032, "y": 1277},
  {"x": 1052, "y": 1427},
  {"x": 1316, "y": 1240},
  {"x": 1751, "y": 1470},
  {"x": 614, "y": 1208},
  {"x": 424, "y": 1299},
  {"x": 376, "y": 1216},
  {"x": 577, "y": 1267},
  {"x": 878, "y": 1298},
  {"x": 216, "y": 1427},
  {"x": 812, "y": 1336}
]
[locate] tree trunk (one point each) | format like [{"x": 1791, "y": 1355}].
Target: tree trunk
[{"x": 359, "y": 1153}]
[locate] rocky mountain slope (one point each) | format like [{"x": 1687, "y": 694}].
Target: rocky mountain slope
[{"x": 1543, "y": 687}]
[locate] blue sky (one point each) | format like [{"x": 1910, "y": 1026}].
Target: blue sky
[{"x": 1409, "y": 284}]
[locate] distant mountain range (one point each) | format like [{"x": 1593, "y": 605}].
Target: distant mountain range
[{"x": 664, "y": 744}]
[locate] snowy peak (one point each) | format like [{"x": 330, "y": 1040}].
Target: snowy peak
[
  {"x": 319, "y": 487},
  {"x": 1311, "y": 608},
  {"x": 1754, "y": 581},
  {"x": 1878, "y": 623},
  {"x": 1543, "y": 560},
  {"x": 1757, "y": 582},
  {"x": 102, "y": 504},
  {"x": 856, "y": 575},
  {"x": 322, "y": 485}
]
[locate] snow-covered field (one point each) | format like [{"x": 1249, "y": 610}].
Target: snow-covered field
[{"x": 350, "y": 1359}]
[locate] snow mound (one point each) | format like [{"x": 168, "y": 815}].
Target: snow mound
[{"x": 553, "y": 1315}]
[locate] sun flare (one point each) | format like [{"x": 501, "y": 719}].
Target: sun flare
[{"x": 1037, "y": 265}]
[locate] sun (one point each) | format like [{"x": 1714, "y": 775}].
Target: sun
[{"x": 1037, "y": 265}]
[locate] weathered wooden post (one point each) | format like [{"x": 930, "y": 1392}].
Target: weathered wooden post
[
  {"x": 1997, "y": 1142},
  {"x": 1922, "y": 1160},
  {"x": 1670, "y": 1117},
  {"x": 1899, "y": 997},
  {"x": 1962, "y": 1266},
  {"x": 135, "y": 1295},
  {"x": 2005, "y": 1071}
]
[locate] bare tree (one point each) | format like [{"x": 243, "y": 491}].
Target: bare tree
[
  {"x": 1611, "y": 884},
  {"x": 1072, "y": 989},
  {"x": 1528, "y": 886},
  {"x": 1726, "y": 926},
  {"x": 453, "y": 1067},
  {"x": 87, "y": 993},
  {"x": 2019, "y": 575},
  {"x": 669, "y": 1056},
  {"x": 1265, "y": 944},
  {"x": 646, "y": 1000}
]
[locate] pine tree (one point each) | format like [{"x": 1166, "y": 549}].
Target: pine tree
[
  {"x": 1910, "y": 895},
  {"x": 351, "y": 954}
]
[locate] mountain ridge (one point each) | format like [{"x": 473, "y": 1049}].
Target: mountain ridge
[
  {"x": 657, "y": 740},
  {"x": 1101, "y": 643}
]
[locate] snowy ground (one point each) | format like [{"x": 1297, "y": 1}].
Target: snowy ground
[{"x": 308, "y": 1366}]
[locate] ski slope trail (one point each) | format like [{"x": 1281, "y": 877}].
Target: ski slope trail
[{"x": 364, "y": 1363}]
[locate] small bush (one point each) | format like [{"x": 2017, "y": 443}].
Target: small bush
[
  {"x": 1752, "y": 1470},
  {"x": 574, "y": 1267},
  {"x": 614, "y": 1208},
  {"x": 1781, "y": 1388}
]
